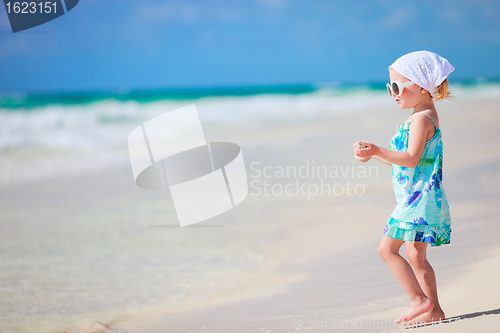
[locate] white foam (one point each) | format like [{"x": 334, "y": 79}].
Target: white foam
[
  {"x": 107, "y": 123},
  {"x": 56, "y": 137}
]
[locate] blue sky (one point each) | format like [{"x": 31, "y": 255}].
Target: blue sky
[{"x": 148, "y": 44}]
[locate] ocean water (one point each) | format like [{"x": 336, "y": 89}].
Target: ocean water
[{"x": 41, "y": 133}]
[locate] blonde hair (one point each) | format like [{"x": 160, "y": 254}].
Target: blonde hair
[{"x": 443, "y": 92}]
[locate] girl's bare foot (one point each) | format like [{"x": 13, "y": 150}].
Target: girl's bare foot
[
  {"x": 427, "y": 317},
  {"x": 417, "y": 307}
]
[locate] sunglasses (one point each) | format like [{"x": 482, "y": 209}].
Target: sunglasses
[{"x": 396, "y": 87}]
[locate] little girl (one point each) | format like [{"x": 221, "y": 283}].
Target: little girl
[{"x": 422, "y": 214}]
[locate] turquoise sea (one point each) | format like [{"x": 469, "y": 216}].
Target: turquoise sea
[{"x": 16, "y": 100}]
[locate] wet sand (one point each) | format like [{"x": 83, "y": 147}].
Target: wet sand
[{"x": 352, "y": 286}]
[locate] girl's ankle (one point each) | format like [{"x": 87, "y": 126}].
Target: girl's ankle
[{"x": 421, "y": 299}]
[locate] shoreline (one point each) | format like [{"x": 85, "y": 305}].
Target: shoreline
[{"x": 460, "y": 263}]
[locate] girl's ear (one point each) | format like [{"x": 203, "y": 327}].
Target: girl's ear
[{"x": 423, "y": 91}]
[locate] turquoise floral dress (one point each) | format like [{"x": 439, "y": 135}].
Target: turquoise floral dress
[{"x": 422, "y": 213}]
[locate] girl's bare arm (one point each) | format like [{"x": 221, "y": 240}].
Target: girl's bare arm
[
  {"x": 409, "y": 158},
  {"x": 382, "y": 160}
]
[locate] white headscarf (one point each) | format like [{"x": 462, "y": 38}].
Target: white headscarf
[{"x": 426, "y": 69}]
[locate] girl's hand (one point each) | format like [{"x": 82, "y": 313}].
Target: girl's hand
[
  {"x": 362, "y": 159},
  {"x": 365, "y": 149},
  {"x": 358, "y": 145}
]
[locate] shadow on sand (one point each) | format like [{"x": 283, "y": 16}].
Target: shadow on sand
[{"x": 464, "y": 322}]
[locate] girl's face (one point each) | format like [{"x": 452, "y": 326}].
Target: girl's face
[{"x": 412, "y": 95}]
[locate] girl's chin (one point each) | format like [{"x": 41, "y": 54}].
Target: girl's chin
[{"x": 403, "y": 106}]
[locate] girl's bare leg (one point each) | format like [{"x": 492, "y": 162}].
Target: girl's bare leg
[
  {"x": 389, "y": 252},
  {"x": 416, "y": 252}
]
